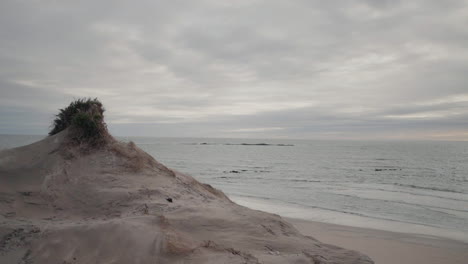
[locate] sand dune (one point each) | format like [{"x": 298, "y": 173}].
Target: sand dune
[{"x": 61, "y": 203}]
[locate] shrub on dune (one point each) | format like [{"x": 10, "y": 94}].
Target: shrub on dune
[{"x": 85, "y": 118}]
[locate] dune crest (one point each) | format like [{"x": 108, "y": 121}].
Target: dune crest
[{"x": 61, "y": 202}]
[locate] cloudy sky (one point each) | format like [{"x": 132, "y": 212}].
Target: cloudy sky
[{"x": 368, "y": 69}]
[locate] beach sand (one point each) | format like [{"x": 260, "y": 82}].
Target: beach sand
[{"x": 387, "y": 247}]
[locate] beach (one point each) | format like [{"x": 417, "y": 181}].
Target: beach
[
  {"x": 387, "y": 247},
  {"x": 234, "y": 132}
]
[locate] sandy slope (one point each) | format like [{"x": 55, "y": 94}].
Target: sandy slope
[{"x": 61, "y": 205}]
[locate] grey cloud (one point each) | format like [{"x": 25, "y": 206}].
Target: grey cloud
[{"x": 302, "y": 68}]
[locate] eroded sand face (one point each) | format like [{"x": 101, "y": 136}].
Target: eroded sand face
[{"x": 59, "y": 204}]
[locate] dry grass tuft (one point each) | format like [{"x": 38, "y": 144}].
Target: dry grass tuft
[{"x": 136, "y": 159}]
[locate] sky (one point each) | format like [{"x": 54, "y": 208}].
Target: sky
[{"x": 363, "y": 70}]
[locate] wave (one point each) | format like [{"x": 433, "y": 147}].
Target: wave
[
  {"x": 428, "y": 188},
  {"x": 360, "y": 214},
  {"x": 425, "y": 206},
  {"x": 417, "y": 194},
  {"x": 303, "y": 180},
  {"x": 237, "y": 178}
]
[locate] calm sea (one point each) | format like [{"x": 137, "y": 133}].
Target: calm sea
[{"x": 416, "y": 187}]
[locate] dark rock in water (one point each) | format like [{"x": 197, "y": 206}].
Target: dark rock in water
[
  {"x": 392, "y": 169},
  {"x": 169, "y": 200},
  {"x": 258, "y": 144},
  {"x": 234, "y": 171}
]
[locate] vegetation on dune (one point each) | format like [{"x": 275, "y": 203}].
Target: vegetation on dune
[{"x": 85, "y": 118}]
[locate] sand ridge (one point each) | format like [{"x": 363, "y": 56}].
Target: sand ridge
[{"x": 61, "y": 203}]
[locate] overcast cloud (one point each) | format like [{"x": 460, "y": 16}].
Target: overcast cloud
[{"x": 246, "y": 68}]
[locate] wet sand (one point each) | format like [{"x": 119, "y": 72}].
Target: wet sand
[{"x": 387, "y": 247}]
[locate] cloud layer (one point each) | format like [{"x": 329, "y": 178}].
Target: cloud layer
[{"x": 247, "y": 68}]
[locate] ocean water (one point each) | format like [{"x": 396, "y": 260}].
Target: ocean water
[{"x": 413, "y": 187}]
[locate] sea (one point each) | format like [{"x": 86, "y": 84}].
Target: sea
[{"x": 418, "y": 187}]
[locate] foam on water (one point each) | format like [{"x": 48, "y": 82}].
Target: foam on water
[{"x": 355, "y": 220}]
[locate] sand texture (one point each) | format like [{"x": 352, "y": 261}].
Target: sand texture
[
  {"x": 62, "y": 203},
  {"x": 386, "y": 247}
]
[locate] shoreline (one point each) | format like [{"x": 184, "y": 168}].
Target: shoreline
[
  {"x": 318, "y": 215},
  {"x": 386, "y": 247}
]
